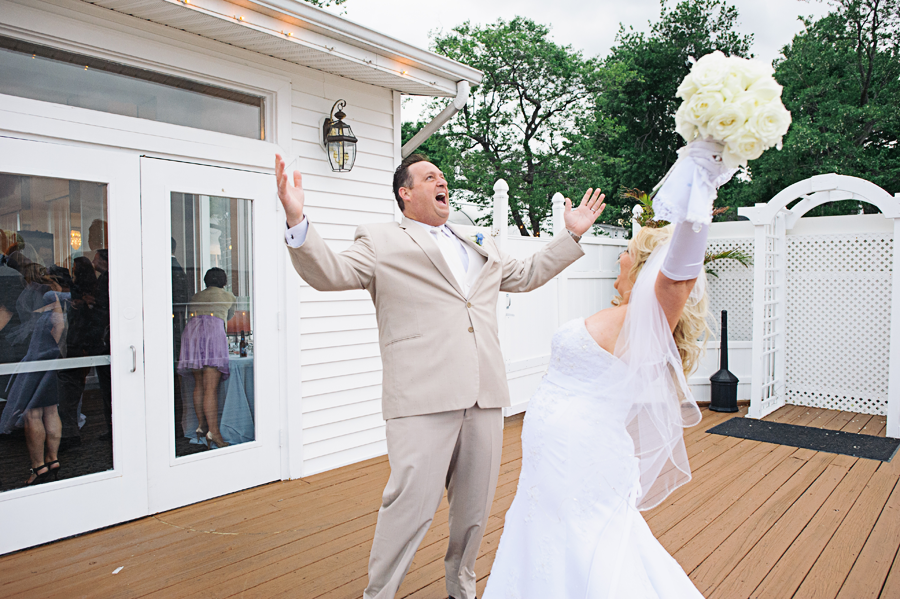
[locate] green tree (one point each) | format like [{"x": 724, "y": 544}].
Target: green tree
[
  {"x": 520, "y": 122},
  {"x": 633, "y": 121},
  {"x": 841, "y": 81}
]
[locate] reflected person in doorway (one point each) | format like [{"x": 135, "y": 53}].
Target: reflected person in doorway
[{"x": 204, "y": 351}]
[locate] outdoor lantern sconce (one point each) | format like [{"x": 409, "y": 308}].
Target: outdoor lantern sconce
[{"x": 340, "y": 143}]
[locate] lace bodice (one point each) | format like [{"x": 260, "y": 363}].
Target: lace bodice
[
  {"x": 575, "y": 354},
  {"x": 578, "y": 366}
]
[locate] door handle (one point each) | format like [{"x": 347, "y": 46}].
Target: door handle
[{"x": 133, "y": 358}]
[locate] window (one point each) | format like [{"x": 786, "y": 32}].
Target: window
[{"x": 42, "y": 73}]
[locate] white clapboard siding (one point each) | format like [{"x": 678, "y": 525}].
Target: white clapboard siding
[
  {"x": 337, "y": 307},
  {"x": 319, "y": 403},
  {"x": 349, "y": 456},
  {"x": 326, "y": 355},
  {"x": 345, "y": 427},
  {"x": 332, "y": 370},
  {"x": 324, "y": 324},
  {"x": 308, "y": 294},
  {"x": 338, "y": 339},
  {"x": 340, "y": 363},
  {"x": 341, "y": 413},
  {"x": 313, "y": 149},
  {"x": 339, "y": 443}
]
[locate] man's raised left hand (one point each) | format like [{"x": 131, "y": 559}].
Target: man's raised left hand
[{"x": 579, "y": 220}]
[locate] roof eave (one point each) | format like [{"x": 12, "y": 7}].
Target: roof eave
[{"x": 323, "y": 22}]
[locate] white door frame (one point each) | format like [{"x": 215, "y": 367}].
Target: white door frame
[
  {"x": 44, "y": 513},
  {"x": 175, "y": 482}
]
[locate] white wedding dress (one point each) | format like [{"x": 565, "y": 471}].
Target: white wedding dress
[{"x": 573, "y": 530}]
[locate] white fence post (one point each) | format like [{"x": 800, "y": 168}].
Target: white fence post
[
  {"x": 562, "y": 279},
  {"x": 500, "y": 225},
  {"x": 500, "y": 231},
  {"x": 559, "y": 210},
  {"x": 893, "y": 410},
  {"x": 636, "y": 213}
]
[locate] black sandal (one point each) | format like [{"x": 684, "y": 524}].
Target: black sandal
[
  {"x": 38, "y": 478},
  {"x": 53, "y": 473}
]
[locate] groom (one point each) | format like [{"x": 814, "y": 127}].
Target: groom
[{"x": 435, "y": 290}]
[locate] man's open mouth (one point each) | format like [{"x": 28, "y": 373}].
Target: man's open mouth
[{"x": 441, "y": 198}]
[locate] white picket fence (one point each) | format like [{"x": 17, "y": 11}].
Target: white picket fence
[{"x": 837, "y": 291}]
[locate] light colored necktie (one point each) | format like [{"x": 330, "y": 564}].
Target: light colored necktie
[{"x": 454, "y": 254}]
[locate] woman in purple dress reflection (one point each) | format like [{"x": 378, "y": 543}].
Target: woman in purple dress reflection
[{"x": 204, "y": 351}]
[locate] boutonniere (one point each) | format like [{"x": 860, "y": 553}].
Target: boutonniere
[{"x": 477, "y": 238}]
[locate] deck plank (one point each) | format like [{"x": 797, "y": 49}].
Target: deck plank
[
  {"x": 785, "y": 576},
  {"x": 825, "y": 579},
  {"x": 873, "y": 565},
  {"x": 757, "y": 520},
  {"x": 709, "y": 557}
]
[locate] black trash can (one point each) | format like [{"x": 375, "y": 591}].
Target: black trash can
[{"x": 723, "y": 384}]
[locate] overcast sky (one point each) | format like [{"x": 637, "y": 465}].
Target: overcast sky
[{"x": 587, "y": 25}]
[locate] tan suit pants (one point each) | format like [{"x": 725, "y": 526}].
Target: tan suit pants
[{"x": 459, "y": 450}]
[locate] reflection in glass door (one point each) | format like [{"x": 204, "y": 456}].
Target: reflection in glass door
[
  {"x": 211, "y": 330},
  {"x": 212, "y": 334},
  {"x": 55, "y": 391},
  {"x": 71, "y": 342}
]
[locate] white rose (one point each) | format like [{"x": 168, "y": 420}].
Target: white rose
[
  {"x": 741, "y": 147},
  {"x": 684, "y": 127},
  {"x": 766, "y": 88},
  {"x": 702, "y": 106},
  {"x": 687, "y": 88},
  {"x": 727, "y": 121},
  {"x": 710, "y": 70},
  {"x": 770, "y": 122},
  {"x": 752, "y": 70},
  {"x": 733, "y": 84}
]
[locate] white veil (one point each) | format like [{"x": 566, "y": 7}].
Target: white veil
[{"x": 662, "y": 402}]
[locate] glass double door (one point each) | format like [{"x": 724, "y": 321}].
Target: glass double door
[
  {"x": 138, "y": 335},
  {"x": 212, "y": 372}
]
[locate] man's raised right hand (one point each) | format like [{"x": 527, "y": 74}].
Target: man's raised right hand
[{"x": 291, "y": 196}]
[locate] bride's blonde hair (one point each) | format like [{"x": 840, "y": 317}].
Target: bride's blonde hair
[{"x": 692, "y": 327}]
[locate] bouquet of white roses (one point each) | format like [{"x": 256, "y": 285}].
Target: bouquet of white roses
[
  {"x": 734, "y": 101},
  {"x": 731, "y": 113}
]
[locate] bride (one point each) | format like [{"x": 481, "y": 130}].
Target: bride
[{"x": 602, "y": 438}]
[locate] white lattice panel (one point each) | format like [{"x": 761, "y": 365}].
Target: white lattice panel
[
  {"x": 839, "y": 321},
  {"x": 732, "y": 290}
]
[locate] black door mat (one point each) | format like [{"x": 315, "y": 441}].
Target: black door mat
[{"x": 808, "y": 437}]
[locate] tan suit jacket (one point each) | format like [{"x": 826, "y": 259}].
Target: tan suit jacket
[{"x": 440, "y": 350}]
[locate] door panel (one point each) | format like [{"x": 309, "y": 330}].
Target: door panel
[
  {"x": 213, "y": 375},
  {"x": 71, "y": 378}
]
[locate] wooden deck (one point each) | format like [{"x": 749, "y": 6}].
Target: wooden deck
[{"x": 758, "y": 520}]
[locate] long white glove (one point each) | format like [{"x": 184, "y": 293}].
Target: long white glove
[
  {"x": 687, "y": 251},
  {"x": 688, "y": 190}
]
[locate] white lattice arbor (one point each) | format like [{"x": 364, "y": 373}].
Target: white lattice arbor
[{"x": 771, "y": 223}]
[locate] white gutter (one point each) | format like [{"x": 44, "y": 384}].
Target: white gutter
[{"x": 462, "y": 96}]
